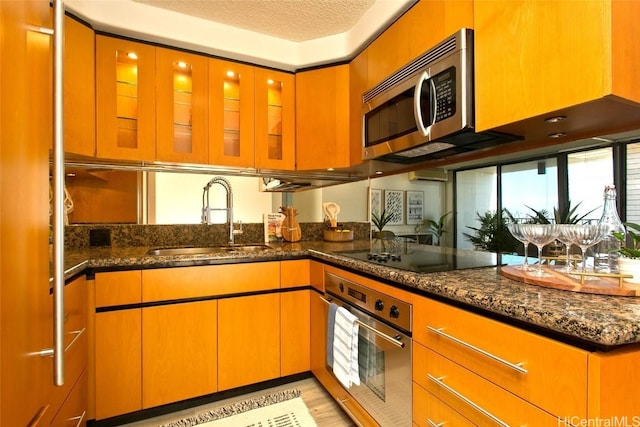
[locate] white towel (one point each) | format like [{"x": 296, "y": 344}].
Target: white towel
[{"x": 345, "y": 348}]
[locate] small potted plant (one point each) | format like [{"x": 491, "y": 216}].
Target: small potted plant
[
  {"x": 380, "y": 221},
  {"x": 629, "y": 261},
  {"x": 437, "y": 227}
]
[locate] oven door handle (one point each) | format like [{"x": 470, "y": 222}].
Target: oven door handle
[{"x": 389, "y": 338}]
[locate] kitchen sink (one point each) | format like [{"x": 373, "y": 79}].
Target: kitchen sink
[{"x": 190, "y": 250}]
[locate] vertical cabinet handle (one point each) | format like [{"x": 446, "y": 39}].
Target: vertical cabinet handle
[
  {"x": 515, "y": 366},
  {"x": 58, "y": 193},
  {"x": 468, "y": 401}
]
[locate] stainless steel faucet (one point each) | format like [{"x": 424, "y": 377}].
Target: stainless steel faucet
[{"x": 206, "y": 209}]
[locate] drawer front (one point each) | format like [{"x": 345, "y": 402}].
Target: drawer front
[
  {"x": 429, "y": 411},
  {"x": 75, "y": 338},
  {"x": 191, "y": 282},
  {"x": 554, "y": 376},
  {"x": 74, "y": 410},
  {"x": 475, "y": 398},
  {"x": 117, "y": 288}
]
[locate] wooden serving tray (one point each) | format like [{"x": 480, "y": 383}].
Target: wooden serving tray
[{"x": 604, "y": 285}]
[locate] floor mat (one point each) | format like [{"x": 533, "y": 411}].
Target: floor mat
[{"x": 283, "y": 409}]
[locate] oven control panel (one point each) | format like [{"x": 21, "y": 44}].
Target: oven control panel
[{"x": 386, "y": 307}]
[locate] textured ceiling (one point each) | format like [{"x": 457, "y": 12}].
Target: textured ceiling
[{"x": 294, "y": 20}]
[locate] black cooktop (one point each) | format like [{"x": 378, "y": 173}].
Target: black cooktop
[{"x": 426, "y": 261}]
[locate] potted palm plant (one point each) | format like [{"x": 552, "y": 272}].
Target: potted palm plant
[
  {"x": 629, "y": 261},
  {"x": 380, "y": 221},
  {"x": 437, "y": 227}
]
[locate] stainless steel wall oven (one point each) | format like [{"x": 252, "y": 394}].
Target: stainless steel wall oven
[{"x": 384, "y": 350}]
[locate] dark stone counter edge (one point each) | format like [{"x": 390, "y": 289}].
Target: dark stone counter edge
[{"x": 591, "y": 323}]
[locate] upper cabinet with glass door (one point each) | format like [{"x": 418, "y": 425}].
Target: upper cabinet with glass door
[
  {"x": 274, "y": 119},
  {"x": 533, "y": 58},
  {"x": 181, "y": 115},
  {"x": 231, "y": 114},
  {"x": 126, "y": 99}
]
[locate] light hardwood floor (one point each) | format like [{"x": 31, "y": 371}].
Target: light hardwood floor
[{"x": 323, "y": 408}]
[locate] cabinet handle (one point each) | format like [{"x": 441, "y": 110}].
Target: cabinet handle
[
  {"x": 434, "y": 424},
  {"x": 58, "y": 193},
  {"x": 466, "y": 400},
  {"x": 515, "y": 366},
  {"x": 80, "y": 418},
  {"x": 48, "y": 352}
]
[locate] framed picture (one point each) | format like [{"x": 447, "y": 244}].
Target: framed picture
[
  {"x": 415, "y": 207},
  {"x": 394, "y": 206},
  {"x": 375, "y": 202}
]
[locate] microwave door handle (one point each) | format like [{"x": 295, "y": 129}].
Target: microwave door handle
[{"x": 417, "y": 109}]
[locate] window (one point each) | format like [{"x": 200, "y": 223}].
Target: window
[
  {"x": 530, "y": 185},
  {"x": 476, "y": 192},
  {"x": 588, "y": 173},
  {"x": 633, "y": 183}
]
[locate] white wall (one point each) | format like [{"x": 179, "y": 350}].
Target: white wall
[{"x": 434, "y": 196}]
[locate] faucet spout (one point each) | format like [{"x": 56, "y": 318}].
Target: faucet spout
[{"x": 206, "y": 209}]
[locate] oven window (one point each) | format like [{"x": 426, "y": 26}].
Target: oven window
[{"x": 371, "y": 366}]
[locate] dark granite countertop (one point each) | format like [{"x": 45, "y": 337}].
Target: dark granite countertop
[{"x": 605, "y": 321}]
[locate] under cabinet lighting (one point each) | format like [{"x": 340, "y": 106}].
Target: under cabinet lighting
[
  {"x": 270, "y": 82},
  {"x": 555, "y": 119},
  {"x": 231, "y": 74},
  {"x": 557, "y": 135},
  {"x": 182, "y": 64},
  {"x": 132, "y": 55}
]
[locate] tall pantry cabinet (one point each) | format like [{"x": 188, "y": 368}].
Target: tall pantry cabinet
[{"x": 25, "y": 138}]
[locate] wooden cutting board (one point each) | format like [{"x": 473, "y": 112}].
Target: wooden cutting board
[
  {"x": 290, "y": 227},
  {"x": 559, "y": 280}
]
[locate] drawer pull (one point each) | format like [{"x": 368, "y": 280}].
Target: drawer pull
[
  {"x": 515, "y": 366},
  {"x": 48, "y": 352},
  {"x": 475, "y": 406},
  {"x": 434, "y": 424},
  {"x": 80, "y": 418}
]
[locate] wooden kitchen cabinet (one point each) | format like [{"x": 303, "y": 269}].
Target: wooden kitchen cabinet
[
  {"x": 534, "y": 58},
  {"x": 458, "y": 387},
  {"x": 295, "y": 332},
  {"x": 231, "y": 113},
  {"x": 275, "y": 136},
  {"x": 126, "y": 99},
  {"x": 182, "y": 110},
  {"x": 79, "y": 88},
  {"x": 358, "y": 82},
  {"x": 428, "y": 411},
  {"x": 179, "y": 352},
  {"x": 322, "y": 118},
  {"x": 248, "y": 336},
  {"x": 425, "y": 25},
  {"x": 556, "y": 373},
  {"x": 118, "y": 344},
  {"x": 25, "y": 135}
]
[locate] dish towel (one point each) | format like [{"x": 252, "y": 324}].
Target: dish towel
[
  {"x": 345, "y": 348},
  {"x": 331, "y": 320}
]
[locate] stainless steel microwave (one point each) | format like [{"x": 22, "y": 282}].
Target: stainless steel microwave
[{"x": 425, "y": 110}]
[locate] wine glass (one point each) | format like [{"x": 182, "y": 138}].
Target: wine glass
[
  {"x": 586, "y": 236},
  {"x": 540, "y": 235},
  {"x": 565, "y": 237},
  {"x": 516, "y": 232}
]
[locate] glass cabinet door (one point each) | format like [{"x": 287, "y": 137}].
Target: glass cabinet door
[
  {"x": 275, "y": 120},
  {"x": 231, "y": 114},
  {"x": 125, "y": 94},
  {"x": 181, "y": 114}
]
